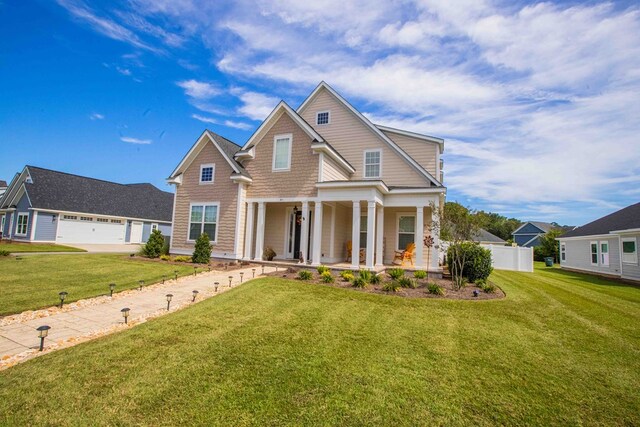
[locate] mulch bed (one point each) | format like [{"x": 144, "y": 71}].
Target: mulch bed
[{"x": 419, "y": 292}]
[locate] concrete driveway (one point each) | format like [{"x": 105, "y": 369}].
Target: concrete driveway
[{"x": 107, "y": 249}]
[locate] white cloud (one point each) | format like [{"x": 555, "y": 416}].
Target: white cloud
[
  {"x": 256, "y": 106},
  {"x": 96, "y": 116},
  {"x": 123, "y": 71},
  {"x": 132, "y": 140},
  {"x": 227, "y": 123},
  {"x": 198, "y": 90}
]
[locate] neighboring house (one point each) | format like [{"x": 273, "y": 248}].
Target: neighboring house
[
  {"x": 307, "y": 182},
  {"x": 528, "y": 234},
  {"x": 607, "y": 246},
  {"x": 41, "y": 205},
  {"x": 485, "y": 238},
  {"x": 3, "y": 187}
]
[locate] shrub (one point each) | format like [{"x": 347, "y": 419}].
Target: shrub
[
  {"x": 166, "y": 245},
  {"x": 359, "y": 282},
  {"x": 407, "y": 282},
  {"x": 392, "y": 286},
  {"x": 202, "y": 250},
  {"x": 182, "y": 258},
  {"x": 4, "y": 252},
  {"x": 420, "y": 274},
  {"x": 435, "y": 289},
  {"x": 365, "y": 275},
  {"x": 268, "y": 254},
  {"x": 154, "y": 245},
  {"x": 165, "y": 257},
  {"x": 322, "y": 269},
  {"x": 480, "y": 282},
  {"x": 489, "y": 288},
  {"x": 395, "y": 273},
  {"x": 347, "y": 276},
  {"x": 477, "y": 260},
  {"x": 305, "y": 275},
  {"x": 375, "y": 279},
  {"x": 327, "y": 277}
]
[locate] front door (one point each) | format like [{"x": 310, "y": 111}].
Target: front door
[
  {"x": 136, "y": 232},
  {"x": 294, "y": 227}
]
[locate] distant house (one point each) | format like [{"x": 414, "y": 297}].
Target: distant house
[
  {"x": 42, "y": 205},
  {"x": 607, "y": 246},
  {"x": 3, "y": 187},
  {"x": 485, "y": 238},
  {"x": 528, "y": 234}
]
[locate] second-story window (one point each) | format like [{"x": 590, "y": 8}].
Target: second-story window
[
  {"x": 282, "y": 152},
  {"x": 206, "y": 173},
  {"x": 372, "y": 163},
  {"x": 322, "y": 118}
]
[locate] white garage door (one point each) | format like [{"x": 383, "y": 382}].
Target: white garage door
[{"x": 77, "y": 229}]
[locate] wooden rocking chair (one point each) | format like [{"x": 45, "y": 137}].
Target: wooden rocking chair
[
  {"x": 350, "y": 249},
  {"x": 407, "y": 254}
]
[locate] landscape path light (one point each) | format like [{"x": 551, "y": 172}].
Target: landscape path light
[
  {"x": 62, "y": 296},
  {"x": 164, "y": 277},
  {"x": 169, "y": 296},
  {"x": 43, "y": 331},
  {"x": 262, "y": 266},
  {"x": 112, "y": 287},
  {"x": 140, "y": 284},
  {"x": 195, "y": 270},
  {"x": 125, "y": 313},
  {"x": 476, "y": 293},
  {"x": 216, "y": 284},
  {"x": 195, "y": 294},
  {"x": 241, "y": 274},
  {"x": 230, "y": 278},
  {"x": 253, "y": 273},
  {"x": 209, "y": 268},
  {"x": 175, "y": 272}
]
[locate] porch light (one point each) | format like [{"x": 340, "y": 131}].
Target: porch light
[
  {"x": 62, "y": 296},
  {"x": 230, "y": 277},
  {"x": 112, "y": 287},
  {"x": 195, "y": 294},
  {"x": 43, "y": 331},
  {"x": 140, "y": 284},
  {"x": 169, "y": 296},
  {"x": 253, "y": 273},
  {"x": 476, "y": 293},
  {"x": 216, "y": 284},
  {"x": 295, "y": 210},
  {"x": 241, "y": 274},
  {"x": 125, "y": 314}
]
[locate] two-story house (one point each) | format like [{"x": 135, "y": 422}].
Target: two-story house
[{"x": 310, "y": 183}]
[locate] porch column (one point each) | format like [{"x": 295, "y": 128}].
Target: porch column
[
  {"x": 371, "y": 233},
  {"x": 380, "y": 236},
  {"x": 304, "y": 232},
  {"x": 355, "y": 236},
  {"x": 248, "y": 231},
  {"x": 317, "y": 235},
  {"x": 260, "y": 231},
  {"x": 419, "y": 236}
]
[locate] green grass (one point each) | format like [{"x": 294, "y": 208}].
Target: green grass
[
  {"x": 37, "y": 247},
  {"x": 34, "y": 281},
  {"x": 561, "y": 349}
]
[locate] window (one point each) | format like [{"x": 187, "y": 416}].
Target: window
[
  {"x": 204, "y": 219},
  {"x": 86, "y": 218},
  {"x": 21, "y": 226},
  {"x": 406, "y": 230},
  {"x": 604, "y": 254},
  {"x": 322, "y": 118},
  {"x": 372, "y": 162},
  {"x": 363, "y": 232},
  {"x": 629, "y": 250},
  {"x": 282, "y": 152},
  {"x": 116, "y": 221},
  {"x": 70, "y": 217},
  {"x": 594, "y": 253},
  {"x": 154, "y": 227},
  {"x": 563, "y": 252},
  {"x": 206, "y": 173},
  {"x": 102, "y": 220}
]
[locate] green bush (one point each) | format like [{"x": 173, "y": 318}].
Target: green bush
[
  {"x": 4, "y": 252},
  {"x": 407, "y": 282},
  {"x": 365, "y": 275},
  {"x": 154, "y": 245},
  {"x": 480, "y": 282},
  {"x": 327, "y": 277},
  {"x": 435, "y": 289},
  {"x": 395, "y": 273},
  {"x": 420, "y": 274},
  {"x": 182, "y": 258},
  {"x": 165, "y": 257},
  {"x": 322, "y": 269},
  {"x": 268, "y": 254},
  {"x": 477, "y": 260},
  {"x": 489, "y": 288},
  {"x": 375, "y": 279},
  {"x": 392, "y": 286},
  {"x": 305, "y": 275},
  {"x": 359, "y": 282},
  {"x": 347, "y": 275},
  {"x": 166, "y": 245},
  {"x": 202, "y": 250}
]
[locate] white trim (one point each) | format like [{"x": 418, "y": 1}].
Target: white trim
[
  {"x": 281, "y": 199},
  {"x": 16, "y": 183},
  {"x": 152, "y": 225},
  {"x": 635, "y": 253},
  {"x": 332, "y": 237},
  {"x": 248, "y": 230},
  {"x": 528, "y": 222},
  {"x": 196, "y": 146},
  {"x": 597, "y": 253},
  {"x": 323, "y": 147},
  {"x": 22, "y": 214},
  {"x": 240, "y": 178},
  {"x": 282, "y": 137},
  {"x": 239, "y": 207},
  {"x": 629, "y": 230},
  {"x": 213, "y": 173},
  {"x": 594, "y": 236},
  {"x": 321, "y": 168},
  {"x": 532, "y": 239},
  {"x": 96, "y": 214},
  {"x": 601, "y": 257},
  {"x": 427, "y": 138},
  {"x": 34, "y": 219},
  {"x": 328, "y": 117},
  {"x": 364, "y": 163},
  {"x": 213, "y": 240}
]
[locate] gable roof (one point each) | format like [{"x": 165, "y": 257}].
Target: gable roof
[
  {"x": 542, "y": 226},
  {"x": 624, "y": 219},
  {"x": 484, "y": 236},
  {"x": 373, "y": 128},
  {"x": 62, "y": 191},
  {"x": 425, "y": 138}
]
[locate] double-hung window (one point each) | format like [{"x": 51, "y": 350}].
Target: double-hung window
[
  {"x": 563, "y": 252},
  {"x": 282, "y": 152},
  {"x": 604, "y": 254},
  {"x": 372, "y": 163},
  {"x": 629, "y": 250},
  {"x": 406, "y": 231},
  {"x": 207, "y": 173},
  {"x": 594, "y": 253},
  {"x": 203, "y": 219},
  {"x": 21, "y": 225}
]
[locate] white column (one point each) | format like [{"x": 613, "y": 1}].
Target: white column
[
  {"x": 355, "y": 236},
  {"x": 317, "y": 235},
  {"x": 248, "y": 233},
  {"x": 419, "y": 236},
  {"x": 380, "y": 236},
  {"x": 260, "y": 232},
  {"x": 371, "y": 233},
  {"x": 304, "y": 232}
]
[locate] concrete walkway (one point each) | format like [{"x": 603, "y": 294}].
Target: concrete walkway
[{"x": 93, "y": 320}]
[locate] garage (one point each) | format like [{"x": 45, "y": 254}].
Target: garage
[{"x": 85, "y": 229}]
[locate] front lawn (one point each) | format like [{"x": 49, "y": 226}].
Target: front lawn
[
  {"x": 560, "y": 349},
  {"x": 36, "y": 247},
  {"x": 34, "y": 281}
]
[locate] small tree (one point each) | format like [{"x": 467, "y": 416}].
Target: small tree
[
  {"x": 202, "y": 250},
  {"x": 153, "y": 247},
  {"x": 549, "y": 245}
]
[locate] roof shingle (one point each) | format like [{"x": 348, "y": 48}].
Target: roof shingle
[{"x": 624, "y": 219}]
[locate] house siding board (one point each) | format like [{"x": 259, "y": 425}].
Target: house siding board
[
  {"x": 332, "y": 172},
  {"x": 578, "y": 255},
  {"x": 274, "y": 230},
  {"x": 223, "y": 190},
  {"x": 165, "y": 229},
  {"x": 299, "y": 181},
  {"x": 425, "y": 153},
  {"x": 632, "y": 271},
  {"x": 22, "y": 206},
  {"x": 521, "y": 239},
  {"x": 531, "y": 243},
  {"x": 530, "y": 229},
  {"x": 127, "y": 232},
  {"x": 46, "y": 227},
  {"x": 390, "y": 239},
  {"x": 350, "y": 137}
]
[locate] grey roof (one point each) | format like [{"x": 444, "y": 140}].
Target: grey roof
[
  {"x": 544, "y": 226},
  {"x": 624, "y": 219},
  {"x": 3, "y": 183},
  {"x": 230, "y": 148},
  {"x": 66, "y": 192},
  {"x": 484, "y": 236}
]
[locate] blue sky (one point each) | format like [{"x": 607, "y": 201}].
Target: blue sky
[{"x": 539, "y": 103}]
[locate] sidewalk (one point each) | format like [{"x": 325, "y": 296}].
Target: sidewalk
[{"x": 19, "y": 341}]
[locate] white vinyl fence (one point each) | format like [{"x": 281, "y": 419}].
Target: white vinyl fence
[{"x": 513, "y": 258}]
